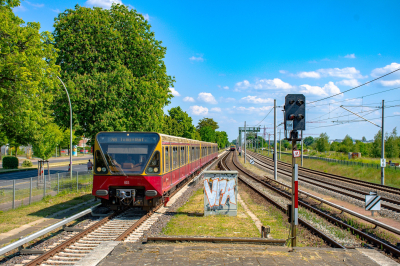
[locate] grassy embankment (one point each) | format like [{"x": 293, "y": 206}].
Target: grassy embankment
[{"x": 353, "y": 171}]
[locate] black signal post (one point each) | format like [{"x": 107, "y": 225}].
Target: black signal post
[{"x": 294, "y": 121}]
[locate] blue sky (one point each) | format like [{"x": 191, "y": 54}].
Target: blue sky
[{"x": 230, "y": 59}]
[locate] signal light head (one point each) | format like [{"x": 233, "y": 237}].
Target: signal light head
[
  {"x": 300, "y": 102},
  {"x": 300, "y": 116},
  {"x": 291, "y": 101},
  {"x": 291, "y": 117}
]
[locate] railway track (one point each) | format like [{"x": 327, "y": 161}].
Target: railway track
[
  {"x": 119, "y": 226},
  {"x": 382, "y": 244},
  {"x": 390, "y": 201},
  {"x": 228, "y": 163}
]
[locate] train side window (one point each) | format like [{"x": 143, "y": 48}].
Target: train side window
[
  {"x": 175, "y": 155},
  {"x": 166, "y": 159}
]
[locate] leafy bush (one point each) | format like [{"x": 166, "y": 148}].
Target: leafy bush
[
  {"x": 10, "y": 162},
  {"x": 27, "y": 163}
]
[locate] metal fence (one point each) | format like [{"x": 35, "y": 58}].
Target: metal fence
[
  {"x": 345, "y": 162},
  {"x": 18, "y": 192}
]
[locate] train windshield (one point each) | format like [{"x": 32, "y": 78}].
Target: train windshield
[{"x": 127, "y": 153}]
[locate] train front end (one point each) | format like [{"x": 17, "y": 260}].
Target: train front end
[{"x": 127, "y": 169}]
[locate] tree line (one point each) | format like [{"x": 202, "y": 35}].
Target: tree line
[
  {"x": 113, "y": 68},
  {"x": 373, "y": 149}
]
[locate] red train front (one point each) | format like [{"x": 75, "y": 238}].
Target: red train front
[{"x": 139, "y": 168}]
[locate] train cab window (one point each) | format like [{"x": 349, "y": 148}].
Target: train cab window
[
  {"x": 166, "y": 159},
  {"x": 99, "y": 164}
]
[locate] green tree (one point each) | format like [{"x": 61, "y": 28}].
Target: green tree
[
  {"x": 207, "y": 134},
  {"x": 391, "y": 147},
  {"x": 45, "y": 141},
  {"x": 27, "y": 75},
  {"x": 322, "y": 142},
  {"x": 171, "y": 126},
  {"x": 376, "y": 145},
  {"x": 334, "y": 146},
  {"x": 221, "y": 139},
  {"x": 346, "y": 145},
  {"x": 207, "y": 122},
  {"x": 114, "y": 70},
  {"x": 185, "y": 122},
  {"x": 3, "y": 141},
  {"x": 308, "y": 141}
]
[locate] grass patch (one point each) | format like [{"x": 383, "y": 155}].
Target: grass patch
[
  {"x": 268, "y": 215},
  {"x": 213, "y": 226},
  {"x": 49, "y": 205},
  {"x": 369, "y": 174}
]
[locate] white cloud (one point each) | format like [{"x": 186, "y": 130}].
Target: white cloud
[
  {"x": 350, "y": 56},
  {"x": 311, "y": 74},
  {"x": 198, "y": 110},
  {"x": 396, "y": 113},
  {"x": 384, "y": 70},
  {"x": 328, "y": 89},
  {"x": 34, "y": 5},
  {"x": 102, "y": 3},
  {"x": 188, "y": 99},
  {"x": 347, "y": 72},
  {"x": 207, "y": 98},
  {"x": 20, "y": 8},
  {"x": 198, "y": 59},
  {"x": 390, "y": 82},
  {"x": 226, "y": 100},
  {"x": 264, "y": 84},
  {"x": 56, "y": 10},
  {"x": 174, "y": 92},
  {"x": 256, "y": 100},
  {"x": 225, "y": 87},
  {"x": 283, "y": 71},
  {"x": 216, "y": 109},
  {"x": 348, "y": 82},
  {"x": 146, "y": 17},
  {"x": 250, "y": 110}
]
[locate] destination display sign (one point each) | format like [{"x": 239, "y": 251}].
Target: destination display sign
[{"x": 127, "y": 138}]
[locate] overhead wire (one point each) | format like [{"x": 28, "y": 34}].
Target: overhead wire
[{"x": 355, "y": 87}]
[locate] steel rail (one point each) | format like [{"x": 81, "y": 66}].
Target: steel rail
[
  {"x": 64, "y": 245},
  {"x": 388, "y": 247},
  {"x": 126, "y": 233},
  {"x": 341, "y": 178},
  {"x": 327, "y": 238},
  {"x": 302, "y": 178},
  {"x": 44, "y": 231}
]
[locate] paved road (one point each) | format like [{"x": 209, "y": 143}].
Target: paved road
[{"x": 21, "y": 177}]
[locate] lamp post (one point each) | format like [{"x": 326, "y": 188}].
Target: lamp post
[{"x": 70, "y": 129}]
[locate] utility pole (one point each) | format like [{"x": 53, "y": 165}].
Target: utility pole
[
  {"x": 302, "y": 148},
  {"x": 280, "y": 144},
  {"x": 383, "y": 163},
  {"x": 275, "y": 145},
  {"x": 245, "y": 141}
]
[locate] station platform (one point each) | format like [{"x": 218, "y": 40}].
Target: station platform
[{"x": 157, "y": 253}]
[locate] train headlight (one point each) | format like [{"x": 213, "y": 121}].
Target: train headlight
[
  {"x": 155, "y": 170},
  {"x": 150, "y": 170},
  {"x": 98, "y": 169},
  {"x": 103, "y": 169},
  {"x": 154, "y": 164}
]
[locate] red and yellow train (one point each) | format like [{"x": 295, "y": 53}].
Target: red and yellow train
[{"x": 142, "y": 168}]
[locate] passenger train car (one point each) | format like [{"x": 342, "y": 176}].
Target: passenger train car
[
  {"x": 233, "y": 147},
  {"x": 142, "y": 168}
]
